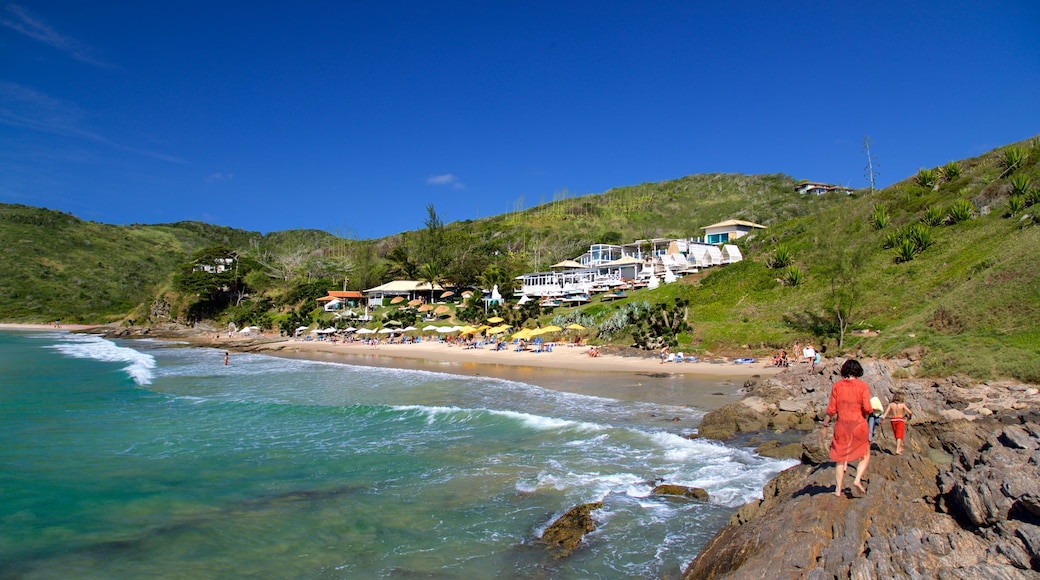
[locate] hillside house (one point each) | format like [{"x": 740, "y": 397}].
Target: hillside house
[
  {"x": 815, "y": 188},
  {"x": 728, "y": 231}
]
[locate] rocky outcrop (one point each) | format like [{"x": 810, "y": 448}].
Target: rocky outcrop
[
  {"x": 564, "y": 534},
  {"x": 681, "y": 491},
  {"x": 963, "y": 501}
]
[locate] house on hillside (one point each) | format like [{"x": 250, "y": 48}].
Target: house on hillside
[
  {"x": 729, "y": 230},
  {"x": 214, "y": 266},
  {"x": 409, "y": 289},
  {"x": 816, "y": 188},
  {"x": 339, "y": 299}
]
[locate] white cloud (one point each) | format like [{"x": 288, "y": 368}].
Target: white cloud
[
  {"x": 219, "y": 176},
  {"x": 19, "y": 19},
  {"x": 445, "y": 179}
]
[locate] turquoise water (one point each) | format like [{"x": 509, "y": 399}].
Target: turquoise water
[{"x": 142, "y": 458}]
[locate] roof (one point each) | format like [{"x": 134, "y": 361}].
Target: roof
[
  {"x": 730, "y": 223},
  {"x": 403, "y": 286},
  {"x": 344, "y": 294},
  {"x": 567, "y": 264}
]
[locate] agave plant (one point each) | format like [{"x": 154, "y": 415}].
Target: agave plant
[
  {"x": 1019, "y": 184},
  {"x": 1033, "y": 197},
  {"x": 879, "y": 217},
  {"x": 793, "y": 275},
  {"x": 781, "y": 257},
  {"x": 892, "y": 239},
  {"x": 1015, "y": 204},
  {"x": 920, "y": 235},
  {"x": 950, "y": 171},
  {"x": 934, "y": 216},
  {"x": 1011, "y": 159},
  {"x": 927, "y": 177},
  {"x": 906, "y": 250},
  {"x": 959, "y": 211}
]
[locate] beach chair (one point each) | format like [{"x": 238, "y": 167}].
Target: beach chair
[
  {"x": 679, "y": 357},
  {"x": 536, "y": 345}
]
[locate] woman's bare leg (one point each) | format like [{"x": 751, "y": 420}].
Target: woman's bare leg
[
  {"x": 861, "y": 470},
  {"x": 839, "y": 476}
]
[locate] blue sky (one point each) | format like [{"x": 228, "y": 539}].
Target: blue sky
[{"x": 353, "y": 116}]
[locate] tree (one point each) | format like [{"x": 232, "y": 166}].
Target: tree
[
  {"x": 842, "y": 270},
  {"x": 432, "y": 274},
  {"x": 872, "y": 166}
]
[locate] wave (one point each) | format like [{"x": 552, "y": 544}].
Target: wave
[{"x": 141, "y": 367}]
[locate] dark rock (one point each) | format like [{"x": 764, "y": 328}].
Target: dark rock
[
  {"x": 564, "y": 534},
  {"x": 727, "y": 421},
  {"x": 681, "y": 490},
  {"x": 816, "y": 446},
  {"x": 789, "y": 451}
]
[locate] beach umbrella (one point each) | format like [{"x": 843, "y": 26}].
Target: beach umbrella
[
  {"x": 387, "y": 330},
  {"x": 551, "y": 328},
  {"x": 350, "y": 329},
  {"x": 430, "y": 327},
  {"x": 393, "y": 323},
  {"x": 415, "y": 302},
  {"x": 447, "y": 294},
  {"x": 365, "y": 331},
  {"x": 467, "y": 294},
  {"x": 497, "y": 330},
  {"x": 523, "y": 333},
  {"x": 409, "y": 329},
  {"x": 441, "y": 309},
  {"x": 575, "y": 326},
  {"x": 495, "y": 319},
  {"x": 426, "y": 308},
  {"x": 445, "y": 329}
]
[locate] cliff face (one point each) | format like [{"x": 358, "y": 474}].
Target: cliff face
[{"x": 963, "y": 501}]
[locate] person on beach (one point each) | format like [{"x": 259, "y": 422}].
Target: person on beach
[
  {"x": 875, "y": 415},
  {"x": 900, "y": 413},
  {"x": 850, "y": 404},
  {"x": 227, "y": 355},
  {"x": 664, "y": 354}
]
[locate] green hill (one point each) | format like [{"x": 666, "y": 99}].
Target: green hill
[{"x": 941, "y": 268}]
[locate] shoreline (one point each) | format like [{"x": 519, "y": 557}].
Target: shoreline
[{"x": 702, "y": 385}]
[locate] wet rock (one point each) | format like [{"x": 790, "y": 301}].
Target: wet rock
[
  {"x": 564, "y": 534},
  {"x": 681, "y": 490},
  {"x": 789, "y": 451}
]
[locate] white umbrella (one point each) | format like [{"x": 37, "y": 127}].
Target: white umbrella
[
  {"x": 365, "y": 331},
  {"x": 350, "y": 329},
  {"x": 407, "y": 328},
  {"x": 445, "y": 329},
  {"x": 430, "y": 327},
  {"x": 387, "y": 330}
]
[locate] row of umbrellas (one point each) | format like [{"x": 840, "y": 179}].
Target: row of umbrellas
[{"x": 524, "y": 333}]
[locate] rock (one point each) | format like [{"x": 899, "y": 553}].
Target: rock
[
  {"x": 564, "y": 534},
  {"x": 816, "y": 446},
  {"x": 723, "y": 423},
  {"x": 1017, "y": 437},
  {"x": 792, "y": 406},
  {"x": 789, "y": 451},
  {"x": 681, "y": 490}
]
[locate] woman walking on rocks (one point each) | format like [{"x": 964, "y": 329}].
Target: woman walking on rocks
[{"x": 850, "y": 404}]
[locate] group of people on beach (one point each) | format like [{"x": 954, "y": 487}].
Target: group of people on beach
[{"x": 850, "y": 406}]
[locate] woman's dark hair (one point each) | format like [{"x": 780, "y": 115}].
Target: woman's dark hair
[{"x": 851, "y": 368}]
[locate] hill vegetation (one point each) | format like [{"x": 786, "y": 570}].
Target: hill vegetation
[{"x": 941, "y": 267}]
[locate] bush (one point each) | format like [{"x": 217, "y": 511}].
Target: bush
[
  {"x": 1019, "y": 184},
  {"x": 1015, "y": 204},
  {"x": 934, "y": 216},
  {"x": 1011, "y": 159},
  {"x": 906, "y": 250},
  {"x": 961, "y": 210},
  {"x": 950, "y": 171},
  {"x": 879, "y": 218},
  {"x": 892, "y": 240},
  {"x": 781, "y": 257},
  {"x": 793, "y": 276},
  {"x": 927, "y": 177}
]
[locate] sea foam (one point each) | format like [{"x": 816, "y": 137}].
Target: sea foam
[{"x": 140, "y": 367}]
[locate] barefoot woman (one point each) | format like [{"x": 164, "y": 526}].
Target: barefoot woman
[{"x": 850, "y": 401}]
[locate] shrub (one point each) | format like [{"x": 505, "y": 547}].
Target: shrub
[
  {"x": 892, "y": 240},
  {"x": 879, "y": 218},
  {"x": 781, "y": 257},
  {"x": 920, "y": 235},
  {"x": 959, "y": 211},
  {"x": 906, "y": 250},
  {"x": 934, "y": 216},
  {"x": 927, "y": 177},
  {"x": 1019, "y": 184},
  {"x": 1011, "y": 158},
  {"x": 793, "y": 275},
  {"x": 1015, "y": 204},
  {"x": 950, "y": 171},
  {"x": 1033, "y": 197}
]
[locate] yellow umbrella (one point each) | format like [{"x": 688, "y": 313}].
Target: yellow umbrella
[
  {"x": 495, "y": 320},
  {"x": 523, "y": 333},
  {"x": 551, "y": 328},
  {"x": 467, "y": 330},
  {"x": 575, "y": 326},
  {"x": 496, "y": 330},
  {"x": 537, "y": 331}
]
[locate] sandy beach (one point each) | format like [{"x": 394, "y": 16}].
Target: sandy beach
[{"x": 704, "y": 385}]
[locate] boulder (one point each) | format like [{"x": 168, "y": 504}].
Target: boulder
[
  {"x": 564, "y": 534},
  {"x": 681, "y": 490},
  {"x": 725, "y": 422}
]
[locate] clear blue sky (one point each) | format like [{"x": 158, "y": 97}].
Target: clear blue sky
[{"x": 353, "y": 116}]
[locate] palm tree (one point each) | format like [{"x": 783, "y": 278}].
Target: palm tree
[{"x": 433, "y": 274}]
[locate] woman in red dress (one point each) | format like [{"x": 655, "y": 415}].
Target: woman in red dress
[{"x": 850, "y": 402}]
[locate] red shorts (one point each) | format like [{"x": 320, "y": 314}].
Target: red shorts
[{"x": 899, "y": 427}]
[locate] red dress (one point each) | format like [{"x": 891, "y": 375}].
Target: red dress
[{"x": 850, "y": 399}]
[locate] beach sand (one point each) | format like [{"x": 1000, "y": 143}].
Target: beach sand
[{"x": 702, "y": 385}]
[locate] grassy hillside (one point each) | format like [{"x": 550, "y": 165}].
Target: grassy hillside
[{"x": 941, "y": 267}]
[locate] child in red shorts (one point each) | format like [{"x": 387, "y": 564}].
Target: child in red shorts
[{"x": 900, "y": 413}]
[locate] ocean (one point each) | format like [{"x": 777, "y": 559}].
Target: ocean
[{"x": 129, "y": 459}]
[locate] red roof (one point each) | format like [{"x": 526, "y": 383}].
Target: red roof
[{"x": 339, "y": 294}]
